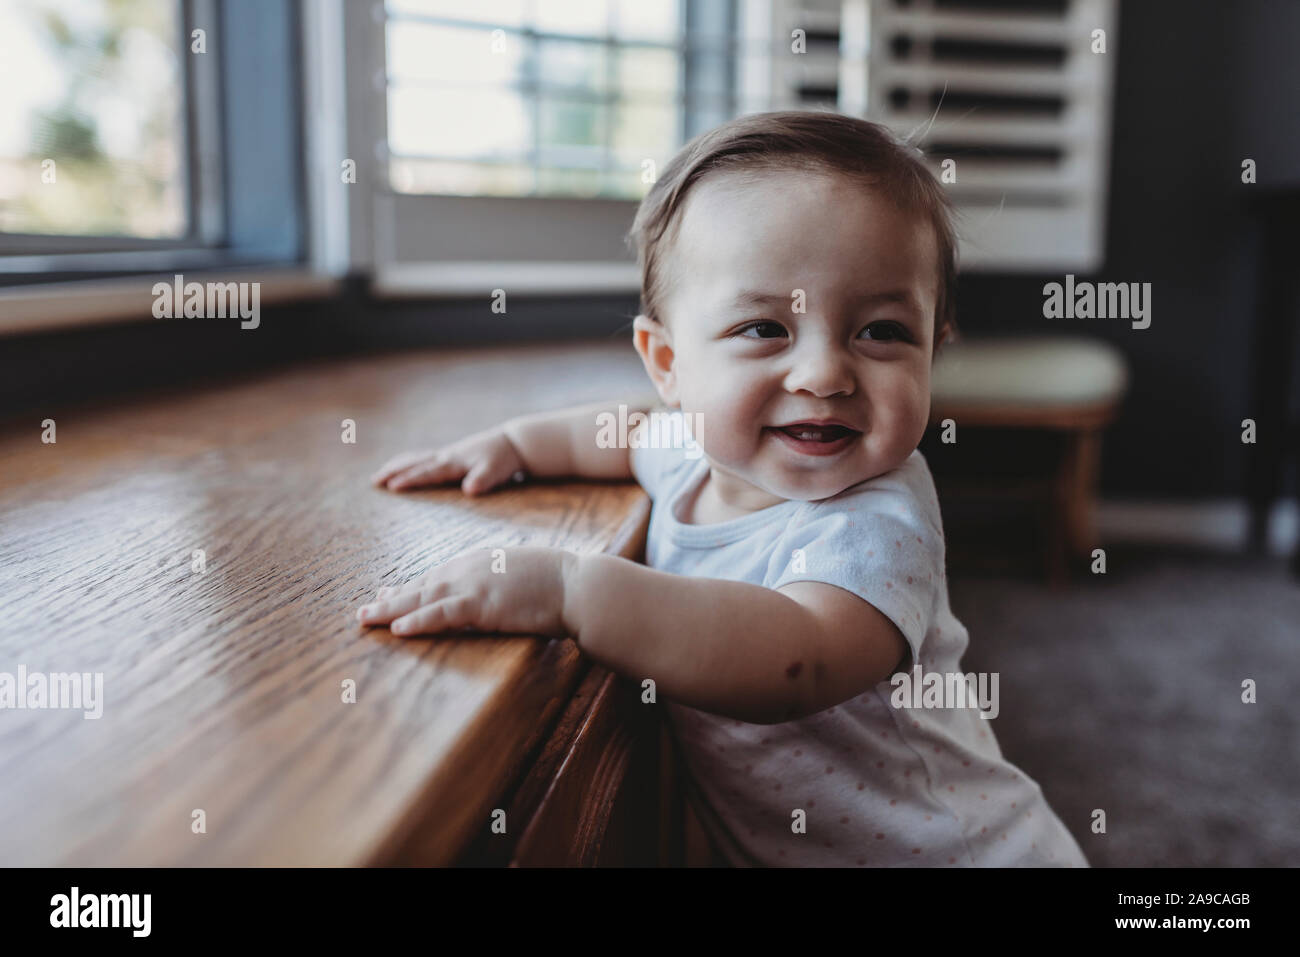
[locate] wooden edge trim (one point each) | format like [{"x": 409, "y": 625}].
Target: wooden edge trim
[{"x": 441, "y": 828}]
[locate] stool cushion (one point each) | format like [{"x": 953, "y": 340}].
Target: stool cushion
[{"x": 1029, "y": 371}]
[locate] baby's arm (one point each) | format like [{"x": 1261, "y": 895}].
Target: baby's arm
[
  {"x": 564, "y": 442},
  {"x": 561, "y": 443},
  {"x": 731, "y": 648}
]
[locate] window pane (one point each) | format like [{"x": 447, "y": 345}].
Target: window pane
[
  {"x": 645, "y": 69},
  {"x": 655, "y": 20},
  {"x": 575, "y": 17},
  {"x": 554, "y": 114},
  {"x": 92, "y": 136},
  {"x": 452, "y": 56},
  {"x": 645, "y": 131},
  {"x": 570, "y": 65},
  {"x": 458, "y": 123},
  {"x": 569, "y": 122},
  {"x": 503, "y": 13}
]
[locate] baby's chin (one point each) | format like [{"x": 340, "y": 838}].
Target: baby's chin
[
  {"x": 811, "y": 487},
  {"x": 817, "y": 481}
]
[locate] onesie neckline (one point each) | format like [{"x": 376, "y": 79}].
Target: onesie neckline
[{"x": 715, "y": 533}]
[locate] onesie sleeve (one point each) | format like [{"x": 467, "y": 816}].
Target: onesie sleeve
[
  {"x": 656, "y": 460},
  {"x": 878, "y": 541}
]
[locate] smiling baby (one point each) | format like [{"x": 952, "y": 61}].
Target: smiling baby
[{"x": 798, "y": 275}]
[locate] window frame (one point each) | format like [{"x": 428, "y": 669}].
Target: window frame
[
  {"x": 510, "y": 231},
  {"x": 201, "y": 170},
  {"x": 534, "y": 89},
  {"x": 214, "y": 204}
]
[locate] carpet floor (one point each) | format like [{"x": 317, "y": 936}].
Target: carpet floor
[{"x": 1124, "y": 692}]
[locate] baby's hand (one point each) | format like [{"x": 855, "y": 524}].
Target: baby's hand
[
  {"x": 484, "y": 460},
  {"x": 518, "y": 591}
]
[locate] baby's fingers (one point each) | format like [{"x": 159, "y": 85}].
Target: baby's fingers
[
  {"x": 384, "y": 610},
  {"x": 429, "y": 472},
  {"x": 449, "y": 614},
  {"x": 399, "y": 463},
  {"x": 485, "y": 476}
]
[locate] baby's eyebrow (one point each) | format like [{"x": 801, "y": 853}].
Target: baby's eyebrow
[
  {"x": 754, "y": 298},
  {"x": 750, "y": 298},
  {"x": 904, "y": 296}
]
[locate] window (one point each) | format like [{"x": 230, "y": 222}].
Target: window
[
  {"x": 127, "y": 131},
  {"x": 92, "y": 98},
  {"x": 517, "y": 97}
]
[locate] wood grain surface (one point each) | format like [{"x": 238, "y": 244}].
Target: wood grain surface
[{"x": 223, "y": 688}]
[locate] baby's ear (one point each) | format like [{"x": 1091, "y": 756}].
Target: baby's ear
[
  {"x": 947, "y": 335},
  {"x": 654, "y": 345}
]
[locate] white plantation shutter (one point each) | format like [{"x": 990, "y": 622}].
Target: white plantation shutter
[
  {"x": 770, "y": 74},
  {"x": 1023, "y": 106}
]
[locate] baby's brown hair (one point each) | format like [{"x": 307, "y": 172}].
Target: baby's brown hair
[{"x": 817, "y": 141}]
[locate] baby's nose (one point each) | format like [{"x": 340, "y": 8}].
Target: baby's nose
[{"x": 823, "y": 372}]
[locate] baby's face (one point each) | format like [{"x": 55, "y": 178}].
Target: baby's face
[{"x": 745, "y": 357}]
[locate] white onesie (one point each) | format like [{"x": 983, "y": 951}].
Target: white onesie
[{"x": 878, "y": 785}]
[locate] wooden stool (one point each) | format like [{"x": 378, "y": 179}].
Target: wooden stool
[{"x": 1062, "y": 384}]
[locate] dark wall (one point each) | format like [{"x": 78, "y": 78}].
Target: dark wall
[{"x": 1199, "y": 87}]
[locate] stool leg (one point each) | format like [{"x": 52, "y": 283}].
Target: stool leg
[
  {"x": 1082, "y": 459},
  {"x": 1057, "y": 543},
  {"x": 1068, "y": 516}
]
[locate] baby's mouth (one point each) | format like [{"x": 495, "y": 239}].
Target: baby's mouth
[
  {"x": 806, "y": 438},
  {"x": 807, "y": 432}
]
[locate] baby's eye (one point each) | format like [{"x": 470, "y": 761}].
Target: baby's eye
[
  {"x": 775, "y": 327},
  {"x": 887, "y": 331}
]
